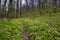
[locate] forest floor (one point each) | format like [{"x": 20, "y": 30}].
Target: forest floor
[{"x": 46, "y": 27}]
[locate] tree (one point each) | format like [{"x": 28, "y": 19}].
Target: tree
[
  {"x": 5, "y": 8},
  {"x": 45, "y": 2},
  {"x": 27, "y": 7},
  {"x": 59, "y": 2},
  {"x": 31, "y": 5},
  {"x": 55, "y": 2},
  {"x": 17, "y": 10},
  {"x": 0, "y": 8},
  {"x": 0, "y": 3},
  {"x": 54, "y": 5},
  {"x": 20, "y": 8},
  {"x": 39, "y": 3},
  {"x": 17, "y": 5},
  {"x": 10, "y": 6}
]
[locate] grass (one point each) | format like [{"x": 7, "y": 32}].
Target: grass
[{"x": 41, "y": 28}]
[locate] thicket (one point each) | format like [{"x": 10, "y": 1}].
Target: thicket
[{"x": 41, "y": 28}]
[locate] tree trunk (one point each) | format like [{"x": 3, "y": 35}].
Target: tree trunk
[
  {"x": 32, "y": 5},
  {"x": 54, "y": 5},
  {"x": 0, "y": 8},
  {"x": 20, "y": 8},
  {"x": 39, "y": 3},
  {"x": 45, "y": 2},
  {"x": 27, "y": 6},
  {"x": 59, "y": 2}
]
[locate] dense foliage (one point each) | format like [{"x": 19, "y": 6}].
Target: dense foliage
[{"x": 42, "y": 28}]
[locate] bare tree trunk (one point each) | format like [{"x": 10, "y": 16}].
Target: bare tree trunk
[
  {"x": 32, "y": 5},
  {"x": 27, "y": 7},
  {"x": 5, "y": 8},
  {"x": 17, "y": 5},
  {"x": 45, "y": 2},
  {"x": 17, "y": 11},
  {"x": 39, "y": 5},
  {"x": 0, "y": 8},
  {"x": 20, "y": 8},
  {"x": 54, "y": 5}
]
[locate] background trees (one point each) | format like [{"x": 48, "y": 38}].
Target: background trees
[{"x": 16, "y": 7}]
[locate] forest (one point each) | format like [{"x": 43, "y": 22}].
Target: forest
[
  {"x": 18, "y": 8},
  {"x": 29, "y": 19}
]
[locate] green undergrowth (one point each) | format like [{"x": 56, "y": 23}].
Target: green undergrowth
[{"x": 46, "y": 27}]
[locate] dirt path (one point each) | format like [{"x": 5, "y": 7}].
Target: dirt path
[{"x": 25, "y": 33}]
